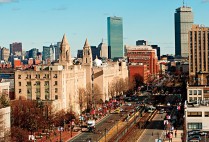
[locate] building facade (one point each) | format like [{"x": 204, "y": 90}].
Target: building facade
[
  {"x": 136, "y": 69},
  {"x": 115, "y": 37},
  {"x": 183, "y": 23},
  {"x": 198, "y": 50},
  {"x": 145, "y": 55},
  {"x": 5, "y": 123}
]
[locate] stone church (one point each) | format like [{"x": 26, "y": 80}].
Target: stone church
[{"x": 59, "y": 83}]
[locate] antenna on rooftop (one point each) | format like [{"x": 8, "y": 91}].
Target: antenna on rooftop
[{"x": 183, "y": 3}]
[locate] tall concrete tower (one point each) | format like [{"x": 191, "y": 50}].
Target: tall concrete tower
[{"x": 183, "y": 23}]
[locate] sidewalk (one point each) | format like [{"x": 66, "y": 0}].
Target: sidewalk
[
  {"x": 177, "y": 138},
  {"x": 65, "y": 135}
]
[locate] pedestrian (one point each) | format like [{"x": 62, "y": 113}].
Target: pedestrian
[{"x": 175, "y": 133}]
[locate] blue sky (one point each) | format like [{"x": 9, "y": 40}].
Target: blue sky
[{"x": 36, "y": 23}]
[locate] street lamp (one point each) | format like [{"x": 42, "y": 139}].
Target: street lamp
[{"x": 60, "y": 129}]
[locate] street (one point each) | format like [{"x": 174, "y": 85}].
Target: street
[{"x": 154, "y": 130}]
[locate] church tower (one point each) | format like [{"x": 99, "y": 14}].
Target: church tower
[
  {"x": 87, "y": 62},
  {"x": 87, "y": 54},
  {"x": 64, "y": 56}
]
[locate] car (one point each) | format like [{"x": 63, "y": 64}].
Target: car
[
  {"x": 192, "y": 132},
  {"x": 117, "y": 110},
  {"x": 202, "y": 133},
  {"x": 161, "y": 111},
  {"x": 128, "y": 104},
  {"x": 194, "y": 137}
]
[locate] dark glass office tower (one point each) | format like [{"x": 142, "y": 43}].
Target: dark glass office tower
[
  {"x": 183, "y": 23},
  {"x": 115, "y": 37}
]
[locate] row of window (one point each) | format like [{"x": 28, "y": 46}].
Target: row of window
[
  {"x": 194, "y": 125},
  {"x": 37, "y": 83},
  {"x": 195, "y": 92},
  {"x": 38, "y": 90},
  {"x": 38, "y": 76},
  {"x": 197, "y": 114},
  {"x": 29, "y": 97}
]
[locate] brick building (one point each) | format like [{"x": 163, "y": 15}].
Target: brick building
[{"x": 143, "y": 55}]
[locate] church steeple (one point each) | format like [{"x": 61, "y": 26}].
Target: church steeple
[
  {"x": 65, "y": 55},
  {"x": 87, "y": 54}
]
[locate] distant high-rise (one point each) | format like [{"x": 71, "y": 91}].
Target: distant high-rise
[
  {"x": 115, "y": 37},
  {"x": 48, "y": 53},
  {"x": 183, "y": 23},
  {"x": 57, "y": 50},
  {"x": 141, "y": 42},
  {"x": 4, "y": 54},
  {"x": 103, "y": 48},
  {"x": 33, "y": 53},
  {"x": 16, "y": 48}
]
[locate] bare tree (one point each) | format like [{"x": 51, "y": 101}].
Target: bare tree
[
  {"x": 111, "y": 89},
  {"x": 97, "y": 94},
  {"x": 82, "y": 99},
  {"x": 120, "y": 86},
  {"x": 88, "y": 92},
  {"x": 126, "y": 84}
]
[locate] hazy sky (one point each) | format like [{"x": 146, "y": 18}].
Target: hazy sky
[{"x": 36, "y": 23}]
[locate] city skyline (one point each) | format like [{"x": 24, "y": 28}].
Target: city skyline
[{"x": 39, "y": 23}]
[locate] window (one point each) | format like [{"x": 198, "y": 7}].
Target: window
[
  {"x": 46, "y": 83},
  {"x": 28, "y": 84},
  {"x": 56, "y": 97},
  {"x": 55, "y": 83},
  {"x": 56, "y": 90},
  {"x": 19, "y": 83},
  {"x": 194, "y": 114},
  {"x": 55, "y": 76},
  {"x": 195, "y": 92},
  {"x": 37, "y": 90},
  {"x": 46, "y": 97},
  {"x": 20, "y": 90},
  {"x": 199, "y": 92},
  {"x": 194, "y": 125},
  {"x": 190, "y": 99},
  {"x": 206, "y": 91},
  {"x": 37, "y": 75},
  {"x": 207, "y": 114},
  {"x": 190, "y": 92},
  {"x": 29, "y": 91},
  {"x": 37, "y": 83},
  {"x": 19, "y": 76}
]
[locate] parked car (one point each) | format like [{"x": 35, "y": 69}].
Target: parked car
[
  {"x": 194, "y": 137},
  {"x": 161, "y": 111},
  {"x": 202, "y": 133},
  {"x": 192, "y": 132},
  {"x": 117, "y": 110}
]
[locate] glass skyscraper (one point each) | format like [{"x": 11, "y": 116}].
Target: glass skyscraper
[
  {"x": 115, "y": 37},
  {"x": 183, "y": 24}
]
